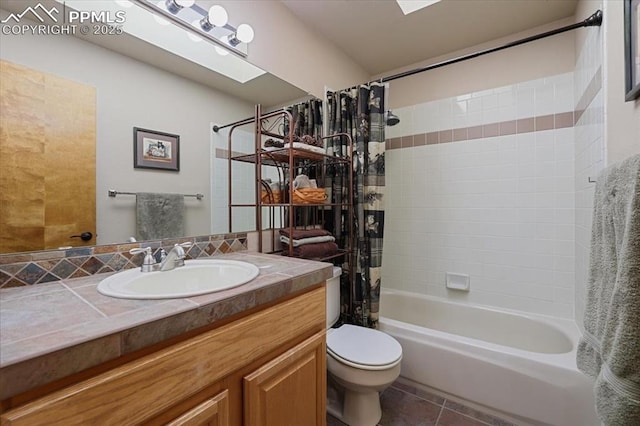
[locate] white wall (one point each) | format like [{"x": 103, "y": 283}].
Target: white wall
[
  {"x": 499, "y": 208},
  {"x": 133, "y": 94},
  {"x": 622, "y": 118}
]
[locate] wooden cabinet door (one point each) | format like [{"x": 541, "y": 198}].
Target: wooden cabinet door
[
  {"x": 291, "y": 389},
  {"x": 212, "y": 412}
]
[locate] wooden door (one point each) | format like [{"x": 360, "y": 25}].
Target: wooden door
[
  {"x": 291, "y": 389},
  {"x": 47, "y": 160}
]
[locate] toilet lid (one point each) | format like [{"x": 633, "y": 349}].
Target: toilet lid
[{"x": 363, "y": 346}]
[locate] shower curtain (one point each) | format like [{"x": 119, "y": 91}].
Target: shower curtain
[
  {"x": 360, "y": 113},
  {"x": 307, "y": 118}
]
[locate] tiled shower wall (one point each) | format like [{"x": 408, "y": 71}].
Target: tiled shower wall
[
  {"x": 243, "y": 183},
  {"x": 483, "y": 184},
  {"x": 589, "y": 153},
  {"x": 242, "y": 178}
]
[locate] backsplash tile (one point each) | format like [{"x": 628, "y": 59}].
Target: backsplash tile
[{"x": 52, "y": 265}]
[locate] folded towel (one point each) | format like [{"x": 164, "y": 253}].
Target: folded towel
[
  {"x": 610, "y": 348},
  {"x": 299, "y": 234},
  {"x": 310, "y": 240},
  {"x": 300, "y": 145},
  {"x": 312, "y": 251},
  {"x": 159, "y": 216}
]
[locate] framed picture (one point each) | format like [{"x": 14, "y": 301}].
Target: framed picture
[
  {"x": 632, "y": 48},
  {"x": 155, "y": 150}
]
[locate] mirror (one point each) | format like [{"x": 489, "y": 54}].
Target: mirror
[{"x": 138, "y": 84}]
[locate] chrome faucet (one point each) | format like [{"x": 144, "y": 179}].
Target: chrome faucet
[
  {"x": 175, "y": 257},
  {"x": 149, "y": 263}
]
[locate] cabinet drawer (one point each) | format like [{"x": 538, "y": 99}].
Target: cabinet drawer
[{"x": 137, "y": 391}]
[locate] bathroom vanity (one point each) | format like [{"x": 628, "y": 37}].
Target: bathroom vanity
[{"x": 264, "y": 364}]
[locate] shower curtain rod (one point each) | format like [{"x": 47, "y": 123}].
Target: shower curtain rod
[{"x": 595, "y": 20}]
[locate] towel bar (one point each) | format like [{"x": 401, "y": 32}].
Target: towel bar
[{"x": 113, "y": 193}]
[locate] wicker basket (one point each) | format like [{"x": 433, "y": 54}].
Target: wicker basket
[
  {"x": 309, "y": 196},
  {"x": 271, "y": 197}
]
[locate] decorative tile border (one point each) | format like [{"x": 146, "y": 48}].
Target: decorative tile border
[
  {"x": 592, "y": 89},
  {"x": 45, "y": 266},
  {"x": 224, "y": 153},
  {"x": 502, "y": 128}
]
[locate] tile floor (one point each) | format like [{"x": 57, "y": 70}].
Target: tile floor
[{"x": 404, "y": 405}]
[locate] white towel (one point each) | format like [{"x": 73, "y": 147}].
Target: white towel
[
  {"x": 307, "y": 147},
  {"x": 310, "y": 240},
  {"x": 610, "y": 348}
]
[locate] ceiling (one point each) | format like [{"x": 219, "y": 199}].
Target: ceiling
[{"x": 377, "y": 35}]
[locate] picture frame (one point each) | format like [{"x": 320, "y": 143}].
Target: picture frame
[
  {"x": 155, "y": 150},
  {"x": 632, "y": 49}
]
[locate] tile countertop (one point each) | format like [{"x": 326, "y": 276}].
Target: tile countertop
[{"x": 50, "y": 331}]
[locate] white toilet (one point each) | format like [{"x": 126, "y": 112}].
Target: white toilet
[{"x": 361, "y": 360}]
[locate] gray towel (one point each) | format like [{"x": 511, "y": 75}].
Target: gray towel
[
  {"x": 610, "y": 348},
  {"x": 159, "y": 216}
]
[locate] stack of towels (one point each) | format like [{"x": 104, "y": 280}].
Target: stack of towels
[{"x": 308, "y": 243}]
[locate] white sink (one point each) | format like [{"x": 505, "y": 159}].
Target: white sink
[{"x": 194, "y": 278}]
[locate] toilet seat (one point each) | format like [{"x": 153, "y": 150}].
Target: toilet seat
[{"x": 363, "y": 348}]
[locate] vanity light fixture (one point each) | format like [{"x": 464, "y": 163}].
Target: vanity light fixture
[
  {"x": 209, "y": 24},
  {"x": 175, "y": 5}
]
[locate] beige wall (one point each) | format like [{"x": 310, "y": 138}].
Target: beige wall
[
  {"x": 286, "y": 48},
  {"x": 622, "y": 119},
  {"x": 550, "y": 56},
  {"x": 134, "y": 94}
]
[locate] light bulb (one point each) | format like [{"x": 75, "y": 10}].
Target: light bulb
[
  {"x": 185, "y": 3},
  {"x": 244, "y": 33},
  {"x": 218, "y": 16}
]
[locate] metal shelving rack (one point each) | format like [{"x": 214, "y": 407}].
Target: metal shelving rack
[{"x": 288, "y": 161}]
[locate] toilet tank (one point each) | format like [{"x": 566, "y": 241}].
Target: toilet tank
[{"x": 333, "y": 297}]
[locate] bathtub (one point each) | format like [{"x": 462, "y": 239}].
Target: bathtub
[{"x": 519, "y": 365}]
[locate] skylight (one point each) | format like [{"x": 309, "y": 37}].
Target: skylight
[{"x": 410, "y": 6}]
